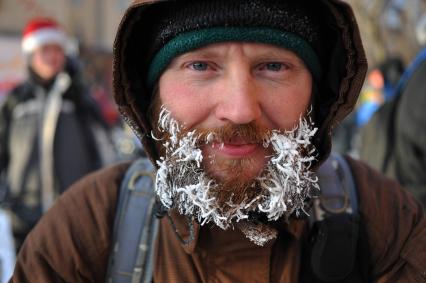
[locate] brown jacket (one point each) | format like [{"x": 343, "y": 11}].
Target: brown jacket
[{"x": 73, "y": 241}]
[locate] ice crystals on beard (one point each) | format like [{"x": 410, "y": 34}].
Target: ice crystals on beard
[
  {"x": 288, "y": 178},
  {"x": 179, "y": 177},
  {"x": 286, "y": 182},
  {"x": 178, "y": 150},
  {"x": 181, "y": 183}
]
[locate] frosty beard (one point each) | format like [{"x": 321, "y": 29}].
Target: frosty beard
[{"x": 280, "y": 190}]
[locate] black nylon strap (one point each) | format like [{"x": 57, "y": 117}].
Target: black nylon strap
[
  {"x": 333, "y": 251},
  {"x": 135, "y": 227}
]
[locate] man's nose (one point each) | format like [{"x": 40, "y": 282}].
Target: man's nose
[{"x": 239, "y": 102}]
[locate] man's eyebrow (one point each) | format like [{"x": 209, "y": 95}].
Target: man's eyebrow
[
  {"x": 212, "y": 53},
  {"x": 215, "y": 53},
  {"x": 272, "y": 53},
  {"x": 200, "y": 53}
]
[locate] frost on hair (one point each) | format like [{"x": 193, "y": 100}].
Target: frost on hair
[
  {"x": 287, "y": 177},
  {"x": 285, "y": 183}
]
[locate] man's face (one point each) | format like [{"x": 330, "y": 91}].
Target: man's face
[
  {"x": 48, "y": 60},
  {"x": 234, "y": 136},
  {"x": 236, "y": 84}
]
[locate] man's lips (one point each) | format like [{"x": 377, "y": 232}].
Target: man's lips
[{"x": 236, "y": 149}]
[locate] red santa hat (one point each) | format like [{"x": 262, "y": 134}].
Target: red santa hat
[{"x": 40, "y": 32}]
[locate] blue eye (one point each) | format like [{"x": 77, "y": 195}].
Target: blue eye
[
  {"x": 274, "y": 66},
  {"x": 199, "y": 66}
]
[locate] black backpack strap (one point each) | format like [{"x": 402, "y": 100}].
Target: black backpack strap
[
  {"x": 135, "y": 226},
  {"x": 332, "y": 252}
]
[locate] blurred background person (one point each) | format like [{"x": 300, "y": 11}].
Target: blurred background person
[
  {"x": 379, "y": 88},
  {"x": 394, "y": 141},
  {"x": 51, "y": 130}
]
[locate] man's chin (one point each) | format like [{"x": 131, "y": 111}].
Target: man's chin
[
  {"x": 234, "y": 171},
  {"x": 236, "y": 180}
]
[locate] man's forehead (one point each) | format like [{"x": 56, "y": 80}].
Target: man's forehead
[{"x": 248, "y": 48}]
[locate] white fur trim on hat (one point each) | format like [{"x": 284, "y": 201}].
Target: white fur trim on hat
[{"x": 43, "y": 36}]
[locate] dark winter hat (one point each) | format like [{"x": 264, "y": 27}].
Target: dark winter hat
[{"x": 193, "y": 24}]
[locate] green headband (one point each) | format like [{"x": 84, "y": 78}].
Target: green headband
[{"x": 191, "y": 40}]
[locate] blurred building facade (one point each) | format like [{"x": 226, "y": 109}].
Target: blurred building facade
[
  {"x": 92, "y": 22},
  {"x": 388, "y": 27}
]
